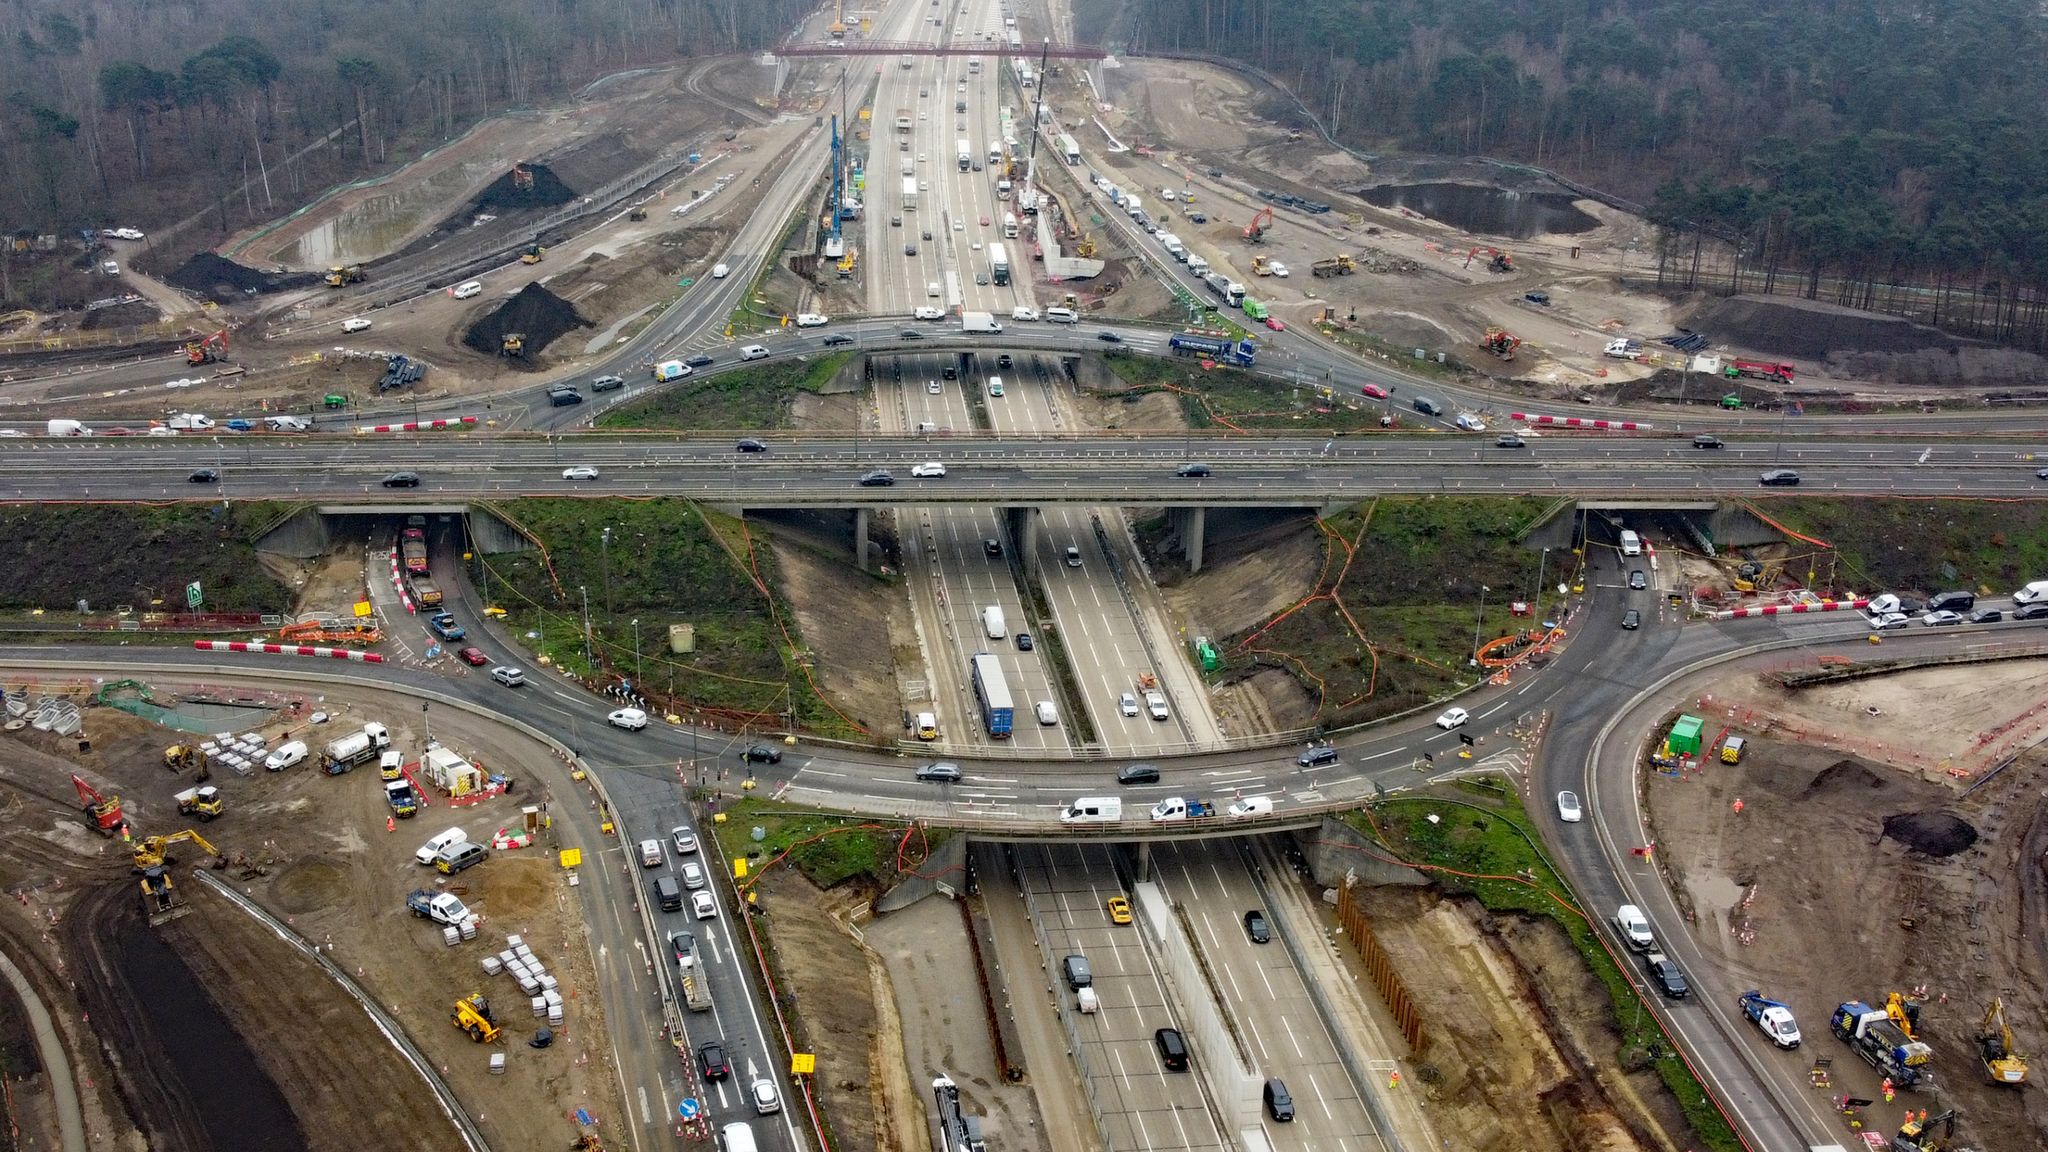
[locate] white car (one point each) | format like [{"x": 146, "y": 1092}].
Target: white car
[
  {"x": 720, "y": 271},
  {"x": 976, "y": 245},
  {"x": 704, "y": 904},
  {"x": 509, "y": 676},
  {"x": 927, "y": 312},
  {"x": 1889, "y": 621},
  {"x": 440, "y": 842},
  {"x": 930, "y": 469},
  {"x": 121, "y": 233},
  {"x": 766, "y": 1099},
  {"x": 286, "y": 756},
  {"x": 812, "y": 320},
  {"x": 579, "y": 472},
  {"x": 684, "y": 840},
  {"x": 1048, "y": 712},
  {"x": 355, "y": 324},
  {"x": 1127, "y": 704},
  {"x": 1568, "y": 807},
  {"x": 631, "y": 719},
  {"x": 1941, "y": 617},
  {"x": 934, "y": 387},
  {"x": 1252, "y": 806},
  {"x": 1166, "y": 194},
  {"x": 1453, "y": 718},
  {"x": 1471, "y": 423},
  {"x": 1023, "y": 313},
  {"x": 693, "y": 874},
  {"x": 753, "y": 352}
]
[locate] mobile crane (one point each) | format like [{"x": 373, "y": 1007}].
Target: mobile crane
[{"x": 2002, "y": 1060}]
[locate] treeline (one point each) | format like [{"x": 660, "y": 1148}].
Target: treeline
[
  {"x": 135, "y": 110},
  {"x": 1865, "y": 138}
]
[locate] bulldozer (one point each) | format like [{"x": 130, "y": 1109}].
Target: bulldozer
[
  {"x": 473, "y": 1015},
  {"x": 1339, "y": 265},
  {"x": 514, "y": 344},
  {"x": 212, "y": 350},
  {"x": 637, "y": 215},
  {"x": 1501, "y": 343},
  {"x": 1255, "y": 232},
  {"x": 341, "y": 274},
  {"x": 532, "y": 254},
  {"x": 179, "y": 757},
  {"x": 154, "y": 852},
  {"x": 160, "y": 900},
  {"x": 2002, "y": 1061}
]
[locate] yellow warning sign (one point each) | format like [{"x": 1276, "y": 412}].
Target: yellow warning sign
[
  {"x": 802, "y": 1063},
  {"x": 570, "y": 857},
  {"x": 364, "y": 608}
]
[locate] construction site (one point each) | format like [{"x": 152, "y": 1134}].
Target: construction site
[{"x": 1905, "y": 840}]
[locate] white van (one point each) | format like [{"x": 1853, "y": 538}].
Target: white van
[
  {"x": 931, "y": 288},
  {"x": 812, "y": 320},
  {"x": 720, "y": 271},
  {"x": 1093, "y": 810},
  {"x": 1631, "y": 544},
  {"x": 992, "y": 622},
  {"x": 1023, "y": 312},
  {"x": 1634, "y": 927},
  {"x": 466, "y": 289},
  {"x": 2032, "y": 593},
  {"x": 753, "y": 352},
  {"x": 737, "y": 1137},
  {"x": 1062, "y": 316}
]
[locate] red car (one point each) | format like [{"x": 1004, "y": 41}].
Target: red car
[
  {"x": 1374, "y": 391},
  {"x": 474, "y": 657},
  {"x": 984, "y": 221},
  {"x": 1274, "y": 323}
]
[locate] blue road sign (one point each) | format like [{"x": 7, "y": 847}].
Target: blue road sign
[{"x": 687, "y": 1109}]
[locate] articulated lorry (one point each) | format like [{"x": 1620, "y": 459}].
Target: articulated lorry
[{"x": 1220, "y": 348}]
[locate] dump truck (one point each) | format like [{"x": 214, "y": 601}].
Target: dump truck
[
  {"x": 1882, "y": 1044},
  {"x": 1338, "y": 265},
  {"x": 1181, "y": 808},
  {"x": 1771, "y": 1017},
  {"x": 440, "y": 907},
  {"x": 425, "y": 592},
  {"x": 412, "y": 547},
  {"x": 341, "y": 274},
  {"x": 204, "y": 802}
]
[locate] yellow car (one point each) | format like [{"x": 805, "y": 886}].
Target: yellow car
[{"x": 1119, "y": 910}]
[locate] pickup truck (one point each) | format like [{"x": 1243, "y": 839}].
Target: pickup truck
[
  {"x": 440, "y": 907},
  {"x": 1181, "y": 808},
  {"x": 400, "y": 795},
  {"x": 446, "y": 628},
  {"x": 1771, "y": 1017}
]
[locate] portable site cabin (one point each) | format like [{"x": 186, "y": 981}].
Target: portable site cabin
[{"x": 1685, "y": 736}]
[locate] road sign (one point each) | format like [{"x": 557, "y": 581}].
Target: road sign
[
  {"x": 802, "y": 1063},
  {"x": 570, "y": 857},
  {"x": 687, "y": 1109},
  {"x": 193, "y": 597}
]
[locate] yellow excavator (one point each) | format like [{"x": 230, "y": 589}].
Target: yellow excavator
[
  {"x": 473, "y": 1015},
  {"x": 152, "y": 851},
  {"x": 1904, "y": 1012},
  {"x": 2002, "y": 1060},
  {"x": 179, "y": 757}
]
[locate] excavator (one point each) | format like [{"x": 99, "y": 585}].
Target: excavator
[
  {"x": 1752, "y": 576},
  {"x": 473, "y": 1015},
  {"x": 1499, "y": 262},
  {"x": 1255, "y": 232},
  {"x": 838, "y": 28},
  {"x": 102, "y": 812},
  {"x": 1904, "y": 1011},
  {"x": 211, "y": 350},
  {"x": 522, "y": 177},
  {"x": 2002, "y": 1060},
  {"x": 1501, "y": 342},
  {"x": 153, "y": 851},
  {"x": 1917, "y": 1133},
  {"x": 179, "y": 757}
]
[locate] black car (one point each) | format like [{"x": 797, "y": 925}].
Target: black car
[
  {"x": 1637, "y": 580},
  {"x": 761, "y": 754},
  {"x": 1138, "y": 774},
  {"x": 203, "y": 476},
  {"x": 750, "y": 445},
  {"x": 402, "y": 480},
  {"x": 877, "y": 479},
  {"x": 1256, "y": 928},
  {"x": 949, "y": 372},
  {"x": 1196, "y": 470},
  {"x": 1279, "y": 1105},
  {"x": 1705, "y": 441},
  {"x": 1779, "y": 478},
  {"x": 1023, "y": 641},
  {"x": 1631, "y": 620},
  {"x": 927, "y": 233},
  {"x": 1003, "y": 360},
  {"x": 1986, "y": 616},
  {"x": 941, "y": 773},
  {"x": 910, "y": 334},
  {"x": 910, "y": 249},
  {"x": 992, "y": 547},
  {"x": 700, "y": 361},
  {"x": 1109, "y": 337},
  {"x": 1666, "y": 976},
  {"x": 711, "y": 1061},
  {"x": 563, "y": 396},
  {"x": 837, "y": 338},
  {"x": 1316, "y": 756},
  {"x": 2031, "y": 612}
]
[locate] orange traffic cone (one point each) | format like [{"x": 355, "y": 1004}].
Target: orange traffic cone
[{"x": 391, "y": 823}]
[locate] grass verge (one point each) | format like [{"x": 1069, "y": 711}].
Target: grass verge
[
  {"x": 745, "y": 400},
  {"x": 1229, "y": 398},
  {"x": 1928, "y": 545},
  {"x": 1483, "y": 846},
  {"x": 141, "y": 555},
  {"x": 826, "y": 848}
]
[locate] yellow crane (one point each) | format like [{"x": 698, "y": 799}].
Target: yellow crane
[
  {"x": 150, "y": 852},
  {"x": 2002, "y": 1060}
]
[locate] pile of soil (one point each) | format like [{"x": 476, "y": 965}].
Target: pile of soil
[
  {"x": 1808, "y": 328},
  {"x": 1936, "y": 834},
  {"x": 1842, "y": 776},
  {"x": 540, "y": 315},
  {"x": 546, "y": 191},
  {"x": 223, "y": 281},
  {"x": 129, "y": 315}
]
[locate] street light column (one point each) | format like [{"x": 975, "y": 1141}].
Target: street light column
[{"x": 1479, "y": 624}]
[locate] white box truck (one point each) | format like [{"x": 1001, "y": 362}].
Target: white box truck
[
  {"x": 68, "y": 428},
  {"x": 982, "y": 322},
  {"x": 964, "y": 153},
  {"x": 910, "y": 193},
  {"x": 992, "y": 622}
]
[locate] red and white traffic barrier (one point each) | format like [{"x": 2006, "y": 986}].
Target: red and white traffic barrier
[
  {"x": 398, "y": 586},
  {"x": 1581, "y": 422},
  {"x": 288, "y": 650},
  {"x": 417, "y": 425},
  {"x": 1793, "y": 609}
]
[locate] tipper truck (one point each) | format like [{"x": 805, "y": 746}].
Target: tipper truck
[
  {"x": 412, "y": 544},
  {"x": 1882, "y": 1044}
]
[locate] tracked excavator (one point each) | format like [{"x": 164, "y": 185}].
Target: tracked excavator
[
  {"x": 153, "y": 852},
  {"x": 102, "y": 812},
  {"x": 1501, "y": 343},
  {"x": 2002, "y": 1060},
  {"x": 211, "y": 350},
  {"x": 1255, "y": 232}
]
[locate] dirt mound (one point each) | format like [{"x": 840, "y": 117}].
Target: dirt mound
[
  {"x": 505, "y": 195},
  {"x": 1808, "y": 328},
  {"x": 1843, "y": 776},
  {"x": 224, "y": 281},
  {"x": 120, "y": 316},
  {"x": 536, "y": 313},
  {"x": 1931, "y": 833}
]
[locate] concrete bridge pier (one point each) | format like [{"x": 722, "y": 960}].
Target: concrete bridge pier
[
  {"x": 860, "y": 538},
  {"x": 1024, "y": 525},
  {"x": 1141, "y": 864},
  {"x": 1189, "y": 524}
]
